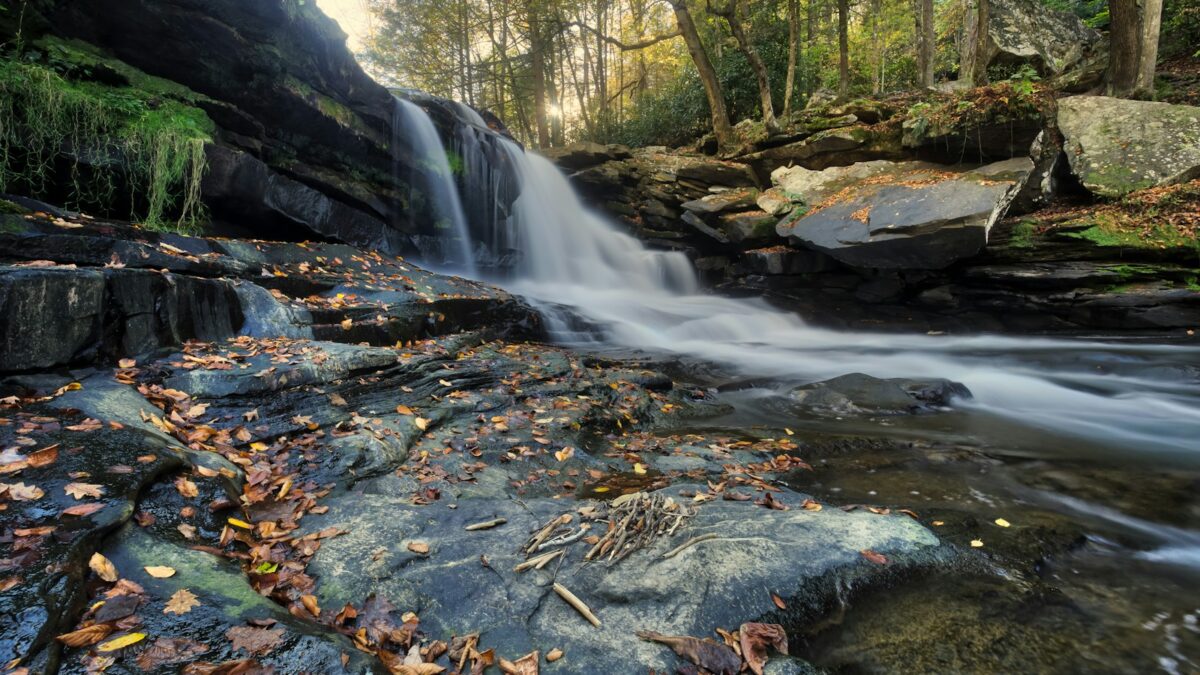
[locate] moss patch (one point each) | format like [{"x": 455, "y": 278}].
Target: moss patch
[{"x": 104, "y": 132}]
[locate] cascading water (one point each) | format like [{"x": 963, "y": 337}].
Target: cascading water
[
  {"x": 433, "y": 175},
  {"x": 1114, "y": 396}
]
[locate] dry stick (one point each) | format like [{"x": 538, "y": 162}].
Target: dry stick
[
  {"x": 534, "y": 562},
  {"x": 546, "y": 559},
  {"x": 486, "y": 525},
  {"x": 576, "y": 603},
  {"x": 694, "y": 540},
  {"x": 566, "y": 538}
]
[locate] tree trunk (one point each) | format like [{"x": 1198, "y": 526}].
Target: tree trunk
[
  {"x": 733, "y": 15},
  {"x": 925, "y": 43},
  {"x": 793, "y": 51},
  {"x": 1125, "y": 47},
  {"x": 1148, "y": 56},
  {"x": 973, "y": 55},
  {"x": 537, "y": 54},
  {"x": 722, "y": 129},
  {"x": 843, "y": 9}
]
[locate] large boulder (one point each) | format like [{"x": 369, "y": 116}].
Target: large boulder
[
  {"x": 1029, "y": 32},
  {"x": 584, "y": 155},
  {"x": 1116, "y": 146},
  {"x": 901, "y": 216}
]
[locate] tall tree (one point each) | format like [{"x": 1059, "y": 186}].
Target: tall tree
[
  {"x": 926, "y": 43},
  {"x": 975, "y": 50},
  {"x": 843, "y": 11},
  {"x": 1133, "y": 54},
  {"x": 736, "y": 14},
  {"x": 793, "y": 12},
  {"x": 537, "y": 57},
  {"x": 722, "y": 129}
]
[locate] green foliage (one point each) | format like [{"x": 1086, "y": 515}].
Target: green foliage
[
  {"x": 1181, "y": 28},
  {"x": 96, "y": 138}
]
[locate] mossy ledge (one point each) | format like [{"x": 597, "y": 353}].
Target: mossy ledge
[{"x": 91, "y": 129}]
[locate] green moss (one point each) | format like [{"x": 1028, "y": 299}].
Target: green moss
[
  {"x": 1193, "y": 284},
  {"x": 1107, "y": 233},
  {"x": 12, "y": 208},
  {"x": 108, "y": 135},
  {"x": 1023, "y": 234}
]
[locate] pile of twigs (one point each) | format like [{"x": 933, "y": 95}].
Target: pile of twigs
[{"x": 631, "y": 522}]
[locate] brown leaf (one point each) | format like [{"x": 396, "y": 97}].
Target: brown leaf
[
  {"x": 21, "y": 492},
  {"x": 186, "y": 487},
  {"x": 708, "y": 654},
  {"x": 169, "y": 651},
  {"x": 756, "y": 637},
  {"x": 778, "y": 601},
  {"x": 310, "y": 603},
  {"x": 554, "y": 655},
  {"x": 256, "y": 641},
  {"x": 877, "y": 558},
  {"x": 43, "y": 457},
  {"x": 160, "y": 572},
  {"x": 526, "y": 665},
  {"x": 417, "y": 669},
  {"x": 103, "y": 567},
  {"x": 85, "y": 637},
  {"x": 418, "y": 547},
  {"x": 182, "y": 602}
]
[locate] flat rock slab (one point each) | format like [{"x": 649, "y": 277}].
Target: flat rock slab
[
  {"x": 901, "y": 216},
  {"x": 1116, "y": 146},
  {"x": 800, "y": 555}
]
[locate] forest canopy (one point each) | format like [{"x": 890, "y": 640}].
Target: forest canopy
[{"x": 557, "y": 71}]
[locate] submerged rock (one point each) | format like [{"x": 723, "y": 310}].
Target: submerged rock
[
  {"x": 1116, "y": 146},
  {"x": 862, "y": 394},
  {"x": 901, "y": 216}
]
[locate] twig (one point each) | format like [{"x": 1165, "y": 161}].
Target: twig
[
  {"x": 566, "y": 538},
  {"x": 486, "y": 525},
  {"x": 694, "y": 540},
  {"x": 576, "y": 603},
  {"x": 538, "y": 561}
]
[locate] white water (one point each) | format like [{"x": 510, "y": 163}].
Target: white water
[
  {"x": 412, "y": 124},
  {"x": 651, "y": 300}
]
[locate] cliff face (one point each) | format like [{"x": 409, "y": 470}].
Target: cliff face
[{"x": 301, "y": 141}]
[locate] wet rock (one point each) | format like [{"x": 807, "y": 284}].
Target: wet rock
[
  {"x": 862, "y": 394},
  {"x": 834, "y": 147},
  {"x": 1116, "y": 146},
  {"x": 720, "y": 582},
  {"x": 580, "y": 156},
  {"x": 730, "y": 200},
  {"x": 783, "y": 260},
  {"x": 906, "y": 217},
  {"x": 748, "y": 228}
]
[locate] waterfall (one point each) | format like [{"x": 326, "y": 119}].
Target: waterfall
[
  {"x": 433, "y": 180},
  {"x": 1113, "y": 396},
  {"x": 596, "y": 284}
]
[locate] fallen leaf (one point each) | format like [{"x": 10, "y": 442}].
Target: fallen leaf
[
  {"x": 564, "y": 454},
  {"x": 310, "y": 603},
  {"x": 182, "y": 602},
  {"x": 778, "y": 601},
  {"x": 418, "y": 547},
  {"x": 21, "y": 492},
  {"x": 83, "y": 509},
  {"x": 81, "y": 490},
  {"x": 1003, "y": 523},
  {"x": 709, "y": 654},
  {"x": 186, "y": 487},
  {"x": 257, "y": 641},
  {"x": 877, "y": 558},
  {"x": 526, "y": 665},
  {"x": 240, "y": 523},
  {"x": 639, "y": 468},
  {"x": 554, "y": 655},
  {"x": 421, "y": 423},
  {"x": 85, "y": 637},
  {"x": 121, "y": 642},
  {"x": 976, "y": 543},
  {"x": 103, "y": 567},
  {"x": 347, "y": 324},
  {"x": 755, "y": 638},
  {"x": 404, "y": 410},
  {"x": 159, "y": 572},
  {"x": 126, "y": 363},
  {"x": 168, "y": 652}
]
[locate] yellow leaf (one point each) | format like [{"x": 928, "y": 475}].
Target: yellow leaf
[
  {"x": 160, "y": 572},
  {"x": 789, "y": 432},
  {"x": 121, "y": 642},
  {"x": 103, "y": 567},
  {"x": 421, "y": 423},
  {"x": 1003, "y": 523},
  {"x": 564, "y": 454},
  {"x": 347, "y": 324},
  {"x": 404, "y": 410},
  {"x": 240, "y": 523},
  {"x": 259, "y": 446},
  {"x": 639, "y": 468},
  {"x": 182, "y": 602},
  {"x": 976, "y": 543},
  {"x": 602, "y": 489}
]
